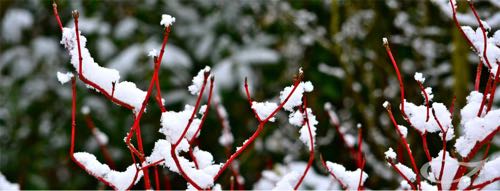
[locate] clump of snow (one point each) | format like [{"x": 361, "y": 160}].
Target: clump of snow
[
  {"x": 202, "y": 176},
  {"x": 304, "y": 131},
  {"x": 464, "y": 182},
  {"x": 203, "y": 108},
  {"x": 419, "y": 77},
  {"x": 6, "y": 185},
  {"x": 418, "y": 117},
  {"x": 198, "y": 80},
  {"x": 153, "y": 52},
  {"x": 390, "y": 154},
  {"x": 428, "y": 91},
  {"x": 167, "y": 20},
  {"x": 296, "y": 98},
  {"x": 478, "y": 41},
  {"x": 126, "y": 92},
  {"x": 385, "y": 104},
  {"x": 118, "y": 180},
  {"x": 489, "y": 171},
  {"x": 406, "y": 171},
  {"x": 450, "y": 168},
  {"x": 288, "y": 181},
  {"x": 385, "y": 41},
  {"x": 403, "y": 130},
  {"x": 312, "y": 181},
  {"x": 296, "y": 118},
  {"x": 64, "y": 77},
  {"x": 470, "y": 110},
  {"x": 475, "y": 128},
  {"x": 349, "y": 178},
  {"x": 264, "y": 109},
  {"x": 173, "y": 124}
]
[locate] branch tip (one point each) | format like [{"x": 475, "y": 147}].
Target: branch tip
[
  {"x": 385, "y": 42},
  {"x": 76, "y": 14}
]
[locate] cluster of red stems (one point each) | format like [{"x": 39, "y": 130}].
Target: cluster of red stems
[
  {"x": 486, "y": 104},
  {"x": 356, "y": 152},
  {"x": 138, "y": 154}
]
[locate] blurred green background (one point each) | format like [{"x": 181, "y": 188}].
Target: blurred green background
[{"x": 337, "y": 43}]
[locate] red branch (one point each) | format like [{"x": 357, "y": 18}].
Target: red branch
[
  {"x": 311, "y": 146},
  {"x": 260, "y": 127},
  {"x": 333, "y": 174}
]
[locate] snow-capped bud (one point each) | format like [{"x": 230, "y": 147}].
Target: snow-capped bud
[{"x": 76, "y": 14}]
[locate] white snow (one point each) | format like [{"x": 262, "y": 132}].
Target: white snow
[
  {"x": 390, "y": 154},
  {"x": 475, "y": 129},
  {"x": 464, "y": 182},
  {"x": 173, "y": 124},
  {"x": 489, "y": 171},
  {"x": 64, "y": 77},
  {"x": 403, "y": 130},
  {"x": 418, "y": 117},
  {"x": 406, "y": 171},
  {"x": 203, "y": 176},
  {"x": 195, "y": 88},
  {"x": 492, "y": 51},
  {"x": 304, "y": 131},
  {"x": 126, "y": 92},
  {"x": 153, "y": 52},
  {"x": 288, "y": 181},
  {"x": 6, "y": 185},
  {"x": 296, "y": 118},
  {"x": 119, "y": 180},
  {"x": 419, "y": 77},
  {"x": 385, "y": 104},
  {"x": 385, "y": 41},
  {"x": 296, "y": 98},
  {"x": 264, "y": 109},
  {"x": 167, "y": 20},
  {"x": 349, "y": 178},
  {"x": 450, "y": 168}
]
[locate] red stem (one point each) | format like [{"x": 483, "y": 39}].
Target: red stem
[
  {"x": 493, "y": 88},
  {"x": 461, "y": 170},
  {"x": 482, "y": 185},
  {"x": 459, "y": 27},
  {"x": 360, "y": 186},
  {"x": 259, "y": 128},
  {"x": 333, "y": 174},
  {"x": 54, "y": 9},
  {"x": 478, "y": 75},
  {"x": 311, "y": 146},
  {"x": 485, "y": 93},
  {"x": 405, "y": 144},
  {"x": 444, "y": 150},
  {"x": 426, "y": 99},
  {"x": 360, "y": 144},
  {"x": 485, "y": 39},
  {"x": 402, "y": 175},
  {"x": 174, "y": 146},
  {"x": 426, "y": 148},
  {"x": 157, "y": 178}
]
